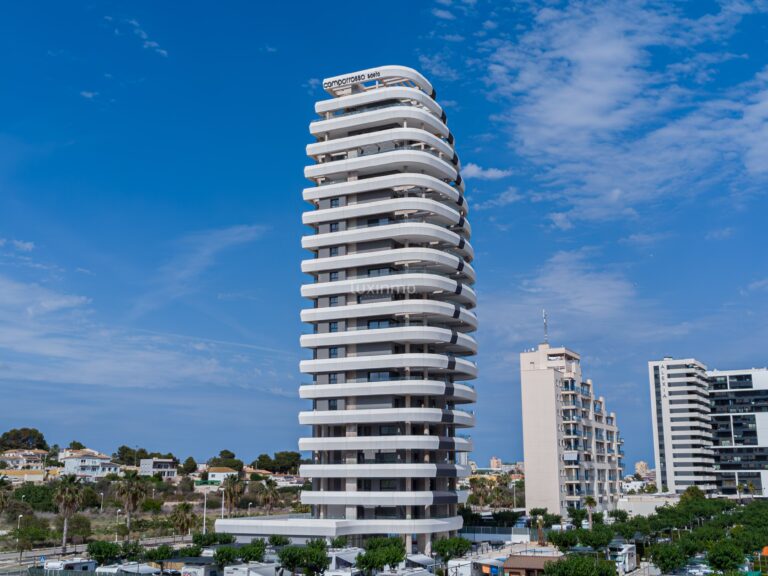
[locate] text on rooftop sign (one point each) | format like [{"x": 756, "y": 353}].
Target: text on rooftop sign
[{"x": 353, "y": 79}]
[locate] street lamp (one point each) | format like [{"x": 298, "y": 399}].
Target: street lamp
[
  {"x": 222, "y": 505},
  {"x": 205, "y": 510},
  {"x": 18, "y": 536},
  {"x": 249, "y": 508},
  {"x": 101, "y": 506},
  {"x": 117, "y": 522}
]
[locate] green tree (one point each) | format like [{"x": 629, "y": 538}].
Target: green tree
[
  {"x": 253, "y": 552},
  {"x": 277, "y": 540},
  {"x": 580, "y": 566},
  {"x": 226, "y": 459},
  {"x": 75, "y": 445},
  {"x": 38, "y": 496},
  {"x": 264, "y": 462},
  {"x": 668, "y": 557},
  {"x": 160, "y": 555},
  {"x": 598, "y": 538},
  {"x": 104, "y": 552},
  {"x": 5, "y": 493},
  {"x": 267, "y": 494},
  {"x": 449, "y": 548},
  {"x": 619, "y": 515},
  {"x": 68, "y": 496},
  {"x": 131, "y": 490},
  {"x": 189, "y": 466},
  {"x": 315, "y": 560},
  {"x": 339, "y": 542},
  {"x": 182, "y": 518},
  {"x": 287, "y": 462},
  {"x": 577, "y": 516},
  {"x": 192, "y": 551},
  {"x": 563, "y": 540},
  {"x": 79, "y": 527},
  {"x": 725, "y": 555},
  {"x": 131, "y": 551},
  {"x": 291, "y": 557},
  {"x": 31, "y": 531},
  {"x": 24, "y": 438}
]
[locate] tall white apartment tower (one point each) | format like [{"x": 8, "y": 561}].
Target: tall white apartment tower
[
  {"x": 572, "y": 446},
  {"x": 390, "y": 320},
  {"x": 390, "y": 316},
  {"x": 682, "y": 424}
]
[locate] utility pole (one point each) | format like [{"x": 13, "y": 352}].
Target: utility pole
[{"x": 205, "y": 510}]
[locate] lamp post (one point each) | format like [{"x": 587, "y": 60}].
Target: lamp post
[
  {"x": 18, "y": 535},
  {"x": 222, "y": 505},
  {"x": 205, "y": 510},
  {"x": 249, "y": 508},
  {"x": 117, "y": 522},
  {"x": 101, "y": 506}
]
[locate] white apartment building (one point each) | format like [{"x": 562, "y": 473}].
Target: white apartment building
[
  {"x": 682, "y": 426},
  {"x": 24, "y": 459},
  {"x": 165, "y": 467},
  {"x": 572, "y": 446},
  {"x": 89, "y": 465},
  {"x": 391, "y": 316}
]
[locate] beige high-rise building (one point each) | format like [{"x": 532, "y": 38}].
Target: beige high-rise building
[
  {"x": 571, "y": 442},
  {"x": 641, "y": 468}
]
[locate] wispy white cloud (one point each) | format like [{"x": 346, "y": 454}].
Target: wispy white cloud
[
  {"x": 453, "y": 38},
  {"x": 475, "y": 171},
  {"x": 758, "y": 286},
  {"x": 645, "y": 238},
  {"x": 508, "y": 196},
  {"x": 443, "y": 14},
  {"x": 719, "y": 234},
  {"x": 438, "y": 66},
  {"x": 607, "y": 132},
  {"x": 195, "y": 253},
  {"x": 146, "y": 42},
  {"x": 88, "y": 94}
]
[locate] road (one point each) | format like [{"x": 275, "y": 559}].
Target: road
[{"x": 31, "y": 557}]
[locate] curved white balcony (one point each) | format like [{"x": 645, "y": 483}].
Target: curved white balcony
[
  {"x": 460, "y": 368},
  {"x": 396, "y": 160},
  {"x": 411, "y": 442},
  {"x": 407, "y": 283},
  {"x": 387, "y": 138},
  {"x": 373, "y": 78},
  {"x": 384, "y": 471},
  {"x": 423, "y": 498},
  {"x": 329, "y": 528},
  {"x": 385, "y": 415},
  {"x": 405, "y": 231},
  {"x": 404, "y": 180},
  {"x": 452, "y": 340},
  {"x": 371, "y": 97},
  {"x": 438, "y": 260},
  {"x": 428, "y": 309},
  {"x": 437, "y": 212},
  {"x": 403, "y": 115},
  {"x": 456, "y": 392}
]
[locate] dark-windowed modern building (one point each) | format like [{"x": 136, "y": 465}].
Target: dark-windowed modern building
[{"x": 710, "y": 427}]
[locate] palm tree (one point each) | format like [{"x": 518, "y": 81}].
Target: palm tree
[
  {"x": 751, "y": 489},
  {"x": 269, "y": 495},
  {"x": 590, "y": 504},
  {"x": 233, "y": 490},
  {"x": 183, "y": 519},
  {"x": 5, "y": 493},
  {"x": 68, "y": 496},
  {"x": 131, "y": 490}
]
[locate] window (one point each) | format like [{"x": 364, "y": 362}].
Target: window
[
  {"x": 333, "y": 251},
  {"x": 378, "y": 221},
  {"x": 388, "y": 430},
  {"x": 334, "y": 202},
  {"x": 333, "y": 276},
  {"x": 333, "y": 404},
  {"x": 379, "y": 271},
  {"x": 333, "y": 326},
  {"x": 384, "y": 323},
  {"x": 333, "y": 378},
  {"x": 333, "y": 301},
  {"x": 378, "y": 376},
  {"x": 333, "y": 352},
  {"x": 334, "y": 226}
]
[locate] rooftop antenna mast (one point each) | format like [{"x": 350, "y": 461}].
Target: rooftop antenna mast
[{"x": 546, "y": 329}]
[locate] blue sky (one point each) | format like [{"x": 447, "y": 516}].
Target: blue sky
[{"x": 151, "y": 156}]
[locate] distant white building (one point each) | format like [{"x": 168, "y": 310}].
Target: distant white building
[
  {"x": 219, "y": 474},
  {"x": 165, "y": 467},
  {"x": 24, "y": 459},
  {"x": 89, "y": 465}
]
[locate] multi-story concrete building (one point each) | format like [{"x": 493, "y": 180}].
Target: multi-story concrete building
[
  {"x": 739, "y": 400},
  {"x": 571, "y": 442},
  {"x": 682, "y": 426},
  {"x": 163, "y": 467},
  {"x": 89, "y": 465},
  {"x": 710, "y": 428},
  {"x": 390, "y": 317}
]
